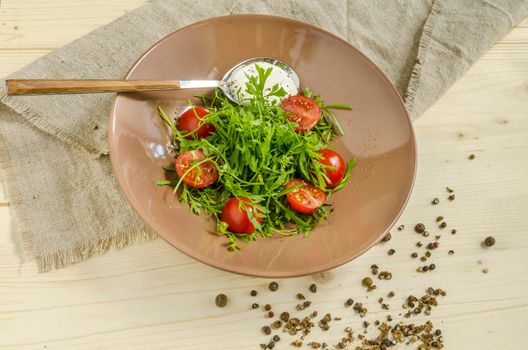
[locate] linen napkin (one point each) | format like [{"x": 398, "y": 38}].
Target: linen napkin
[{"x": 65, "y": 202}]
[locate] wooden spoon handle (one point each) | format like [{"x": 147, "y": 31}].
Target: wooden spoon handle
[{"x": 27, "y": 87}]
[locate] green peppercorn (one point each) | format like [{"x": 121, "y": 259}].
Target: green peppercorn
[
  {"x": 221, "y": 300},
  {"x": 367, "y": 282}
]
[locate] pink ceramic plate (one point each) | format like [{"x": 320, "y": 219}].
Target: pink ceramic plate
[{"x": 378, "y": 133}]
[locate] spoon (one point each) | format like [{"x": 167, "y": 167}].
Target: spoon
[{"x": 230, "y": 83}]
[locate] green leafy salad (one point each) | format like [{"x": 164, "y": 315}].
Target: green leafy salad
[{"x": 258, "y": 168}]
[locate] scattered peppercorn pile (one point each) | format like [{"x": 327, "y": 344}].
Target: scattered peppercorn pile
[{"x": 295, "y": 328}]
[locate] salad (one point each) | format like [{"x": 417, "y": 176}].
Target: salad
[{"x": 262, "y": 167}]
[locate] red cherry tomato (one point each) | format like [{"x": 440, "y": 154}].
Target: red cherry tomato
[
  {"x": 189, "y": 121},
  {"x": 307, "y": 198},
  {"x": 303, "y": 111},
  {"x": 333, "y": 159},
  {"x": 201, "y": 176},
  {"x": 236, "y": 219}
]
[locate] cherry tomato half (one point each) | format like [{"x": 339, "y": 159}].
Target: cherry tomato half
[
  {"x": 303, "y": 111},
  {"x": 189, "y": 122},
  {"x": 333, "y": 159},
  {"x": 307, "y": 198},
  {"x": 236, "y": 219},
  {"x": 201, "y": 176}
]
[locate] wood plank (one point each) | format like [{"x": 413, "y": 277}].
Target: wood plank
[{"x": 52, "y": 23}]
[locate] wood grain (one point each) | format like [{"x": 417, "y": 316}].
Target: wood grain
[
  {"x": 29, "y": 87},
  {"x": 150, "y": 296}
]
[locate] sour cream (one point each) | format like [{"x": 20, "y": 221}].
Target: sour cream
[{"x": 239, "y": 78}]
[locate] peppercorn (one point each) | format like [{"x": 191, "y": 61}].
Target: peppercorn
[
  {"x": 349, "y": 302},
  {"x": 438, "y": 332},
  {"x": 254, "y": 305},
  {"x": 285, "y": 316},
  {"x": 432, "y": 267},
  {"x": 367, "y": 282},
  {"x": 451, "y": 197},
  {"x": 391, "y": 294},
  {"x": 300, "y": 296},
  {"x": 221, "y": 300},
  {"x": 391, "y": 251},
  {"x": 471, "y": 156},
  {"x": 266, "y": 330},
  {"x": 449, "y": 190},
  {"x": 273, "y": 286},
  {"x": 419, "y": 228},
  {"x": 451, "y": 252},
  {"x": 276, "y": 338},
  {"x": 489, "y": 241},
  {"x": 440, "y": 218},
  {"x": 276, "y": 324},
  {"x": 270, "y": 314},
  {"x": 428, "y": 254},
  {"x": 267, "y": 307},
  {"x": 414, "y": 255},
  {"x": 271, "y": 345},
  {"x": 453, "y": 231},
  {"x": 425, "y": 268},
  {"x": 253, "y": 293},
  {"x": 401, "y": 227},
  {"x": 386, "y": 238},
  {"x": 313, "y": 288},
  {"x": 435, "y": 201},
  {"x": 443, "y": 225}
]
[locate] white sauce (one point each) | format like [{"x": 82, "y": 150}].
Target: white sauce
[{"x": 237, "y": 82}]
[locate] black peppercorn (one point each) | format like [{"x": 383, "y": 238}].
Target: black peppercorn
[
  {"x": 489, "y": 241},
  {"x": 253, "y": 293},
  {"x": 349, "y": 302},
  {"x": 313, "y": 288},
  {"x": 285, "y": 316},
  {"x": 419, "y": 228},
  {"x": 273, "y": 286},
  {"x": 254, "y": 306},
  {"x": 266, "y": 330}
]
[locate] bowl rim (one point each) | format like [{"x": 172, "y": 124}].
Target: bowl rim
[{"x": 266, "y": 273}]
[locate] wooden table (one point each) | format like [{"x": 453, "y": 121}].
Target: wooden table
[{"x": 150, "y": 296}]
